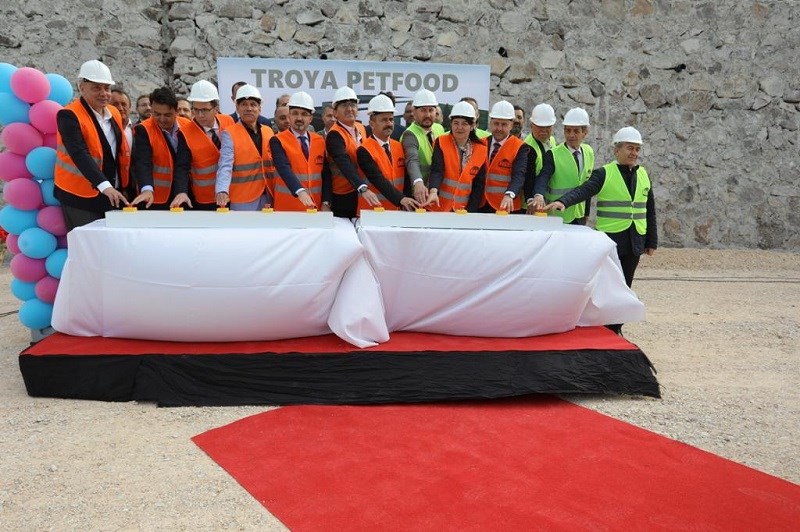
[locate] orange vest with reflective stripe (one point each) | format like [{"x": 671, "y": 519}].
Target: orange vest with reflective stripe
[
  {"x": 457, "y": 184},
  {"x": 308, "y": 172},
  {"x": 252, "y": 173},
  {"x": 498, "y": 173},
  {"x": 341, "y": 185},
  {"x": 225, "y": 121},
  {"x": 163, "y": 163},
  {"x": 67, "y": 175},
  {"x": 394, "y": 170},
  {"x": 203, "y": 172}
]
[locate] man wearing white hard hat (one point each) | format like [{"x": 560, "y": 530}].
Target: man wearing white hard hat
[
  {"x": 508, "y": 161},
  {"x": 625, "y": 205},
  {"x": 541, "y": 141},
  {"x": 417, "y": 141},
  {"x": 381, "y": 159},
  {"x": 567, "y": 166},
  {"x": 245, "y": 173},
  {"x": 202, "y": 136},
  {"x": 299, "y": 158},
  {"x": 262, "y": 120},
  {"x": 92, "y": 155},
  {"x": 341, "y": 143},
  {"x": 458, "y": 168}
]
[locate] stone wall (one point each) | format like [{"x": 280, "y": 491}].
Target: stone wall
[{"x": 713, "y": 85}]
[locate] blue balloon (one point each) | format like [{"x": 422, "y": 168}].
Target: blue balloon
[
  {"x": 54, "y": 264},
  {"x": 37, "y": 243},
  {"x": 41, "y": 162},
  {"x": 15, "y": 221},
  {"x": 36, "y": 314},
  {"x": 6, "y": 70},
  {"x": 48, "y": 187},
  {"x": 12, "y": 109},
  {"x": 60, "y": 89},
  {"x": 22, "y": 290}
]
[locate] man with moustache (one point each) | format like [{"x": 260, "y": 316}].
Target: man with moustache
[
  {"x": 92, "y": 153},
  {"x": 299, "y": 158},
  {"x": 143, "y": 108},
  {"x": 381, "y": 160}
]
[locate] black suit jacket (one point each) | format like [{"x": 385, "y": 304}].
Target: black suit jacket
[
  {"x": 142, "y": 163},
  {"x": 74, "y": 143}
]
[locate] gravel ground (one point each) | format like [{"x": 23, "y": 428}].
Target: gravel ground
[{"x": 723, "y": 330}]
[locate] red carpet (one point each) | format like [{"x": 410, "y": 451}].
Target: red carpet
[{"x": 519, "y": 464}]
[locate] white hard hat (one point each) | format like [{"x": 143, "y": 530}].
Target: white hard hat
[
  {"x": 543, "y": 115},
  {"x": 380, "y": 104},
  {"x": 503, "y": 110},
  {"x": 303, "y": 100},
  {"x": 95, "y": 71},
  {"x": 576, "y": 117},
  {"x": 344, "y": 94},
  {"x": 203, "y": 91},
  {"x": 424, "y": 98},
  {"x": 463, "y": 110},
  {"x": 627, "y": 134},
  {"x": 248, "y": 91}
]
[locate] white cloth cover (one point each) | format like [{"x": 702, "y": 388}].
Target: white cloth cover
[
  {"x": 498, "y": 283},
  {"x": 218, "y": 285}
]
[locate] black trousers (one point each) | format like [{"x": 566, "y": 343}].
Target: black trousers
[
  {"x": 629, "y": 262},
  {"x": 75, "y": 217},
  {"x": 345, "y": 205}
]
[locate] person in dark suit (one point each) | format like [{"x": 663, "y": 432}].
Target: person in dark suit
[
  {"x": 93, "y": 156},
  {"x": 161, "y": 158},
  {"x": 262, "y": 120}
]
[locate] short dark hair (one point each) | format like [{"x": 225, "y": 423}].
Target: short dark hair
[
  {"x": 164, "y": 96},
  {"x": 120, "y": 91},
  {"x": 236, "y": 86},
  {"x": 182, "y": 99},
  {"x": 390, "y": 94},
  {"x": 518, "y": 108},
  {"x": 139, "y": 99},
  {"x": 278, "y": 99},
  {"x": 469, "y": 99},
  {"x": 327, "y": 106}
]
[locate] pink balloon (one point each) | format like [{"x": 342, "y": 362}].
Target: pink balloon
[
  {"x": 27, "y": 269},
  {"x": 12, "y": 166},
  {"x": 51, "y": 140},
  {"x": 62, "y": 241},
  {"x": 21, "y": 138},
  {"x": 43, "y": 115},
  {"x": 46, "y": 289},
  {"x": 51, "y": 219},
  {"x": 24, "y": 194},
  {"x": 30, "y": 85},
  {"x": 12, "y": 245}
]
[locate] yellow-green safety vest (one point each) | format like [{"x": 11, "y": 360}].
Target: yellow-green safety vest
[
  {"x": 566, "y": 177},
  {"x": 616, "y": 210}
]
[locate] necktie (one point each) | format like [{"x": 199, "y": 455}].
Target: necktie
[
  {"x": 214, "y": 137},
  {"x": 304, "y": 145},
  {"x": 495, "y": 147},
  {"x": 430, "y": 138},
  {"x": 577, "y": 160},
  {"x": 388, "y": 153}
]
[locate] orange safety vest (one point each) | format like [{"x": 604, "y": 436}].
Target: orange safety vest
[
  {"x": 252, "y": 172},
  {"x": 457, "y": 184},
  {"x": 163, "y": 163},
  {"x": 498, "y": 173},
  {"x": 205, "y": 156},
  {"x": 225, "y": 121},
  {"x": 308, "y": 172},
  {"x": 67, "y": 175},
  {"x": 341, "y": 185},
  {"x": 394, "y": 170}
]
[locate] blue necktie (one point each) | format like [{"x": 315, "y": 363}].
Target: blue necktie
[{"x": 304, "y": 145}]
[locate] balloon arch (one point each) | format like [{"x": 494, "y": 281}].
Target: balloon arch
[{"x": 32, "y": 218}]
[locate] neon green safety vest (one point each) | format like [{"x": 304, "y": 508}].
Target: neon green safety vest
[
  {"x": 425, "y": 149},
  {"x": 616, "y": 210},
  {"x": 530, "y": 141},
  {"x": 565, "y": 178},
  {"x": 482, "y": 133}
]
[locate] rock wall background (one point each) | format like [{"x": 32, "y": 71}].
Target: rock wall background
[{"x": 714, "y": 86}]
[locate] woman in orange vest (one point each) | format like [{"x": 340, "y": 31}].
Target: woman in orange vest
[
  {"x": 245, "y": 171},
  {"x": 341, "y": 143},
  {"x": 458, "y": 168},
  {"x": 299, "y": 157},
  {"x": 381, "y": 158}
]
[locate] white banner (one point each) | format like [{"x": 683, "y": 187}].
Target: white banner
[{"x": 320, "y": 78}]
